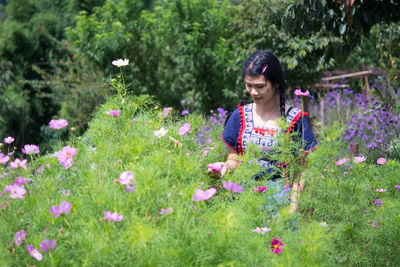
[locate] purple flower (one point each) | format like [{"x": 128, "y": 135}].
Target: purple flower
[
  {"x": 4, "y": 158},
  {"x": 397, "y": 187},
  {"x": 114, "y": 113},
  {"x": 372, "y": 145},
  {"x": 15, "y": 191},
  {"x": 46, "y": 245},
  {"x": 373, "y": 223},
  {"x": 130, "y": 188},
  {"x": 231, "y": 186},
  {"x": 30, "y": 150},
  {"x": 185, "y": 112},
  {"x": 200, "y": 195},
  {"x": 19, "y": 237},
  {"x": 65, "y": 156},
  {"x": 166, "y": 211},
  {"x": 8, "y": 140},
  {"x": 381, "y": 161},
  {"x": 58, "y": 124},
  {"x": 65, "y": 193},
  {"x": 64, "y": 208},
  {"x": 378, "y": 202},
  {"x": 380, "y": 190},
  {"x": 298, "y": 92},
  {"x": 34, "y": 252},
  {"x": 183, "y": 101},
  {"x": 113, "y": 217}
]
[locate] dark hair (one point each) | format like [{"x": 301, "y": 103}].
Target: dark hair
[{"x": 265, "y": 62}]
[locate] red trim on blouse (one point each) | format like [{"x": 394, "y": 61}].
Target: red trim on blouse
[
  {"x": 226, "y": 142},
  {"x": 242, "y": 127},
  {"x": 295, "y": 120},
  {"x": 263, "y": 131}
]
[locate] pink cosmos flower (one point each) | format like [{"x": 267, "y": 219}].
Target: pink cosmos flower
[
  {"x": 4, "y": 158},
  {"x": 19, "y": 181},
  {"x": 19, "y": 237},
  {"x": 19, "y": 163},
  {"x": 381, "y": 161},
  {"x": 58, "y": 124},
  {"x": 8, "y": 140},
  {"x": 276, "y": 245},
  {"x": 260, "y": 188},
  {"x": 359, "y": 159},
  {"x": 184, "y": 129},
  {"x": 298, "y": 92},
  {"x": 126, "y": 178},
  {"x": 397, "y": 187},
  {"x": 34, "y": 252},
  {"x": 45, "y": 245},
  {"x": 166, "y": 211},
  {"x": 65, "y": 156},
  {"x": 3, "y": 205},
  {"x": 200, "y": 195},
  {"x": 64, "y": 208},
  {"x": 120, "y": 62},
  {"x": 378, "y": 202},
  {"x": 30, "y": 150},
  {"x": 114, "y": 113},
  {"x": 341, "y": 161},
  {"x": 231, "y": 186},
  {"x": 113, "y": 217},
  {"x": 262, "y": 230},
  {"x": 15, "y": 191},
  {"x": 381, "y": 190},
  {"x": 214, "y": 167},
  {"x": 185, "y": 112},
  {"x": 166, "y": 111}
]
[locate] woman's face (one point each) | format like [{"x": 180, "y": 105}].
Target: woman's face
[{"x": 262, "y": 91}]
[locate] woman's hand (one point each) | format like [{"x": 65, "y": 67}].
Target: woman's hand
[{"x": 217, "y": 169}]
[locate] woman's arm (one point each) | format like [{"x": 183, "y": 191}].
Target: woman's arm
[{"x": 298, "y": 185}]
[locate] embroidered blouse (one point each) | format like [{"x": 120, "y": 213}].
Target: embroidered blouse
[{"x": 240, "y": 131}]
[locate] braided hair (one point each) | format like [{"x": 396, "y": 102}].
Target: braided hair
[{"x": 265, "y": 62}]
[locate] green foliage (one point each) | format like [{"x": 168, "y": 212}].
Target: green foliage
[
  {"x": 348, "y": 18},
  {"x": 29, "y": 44},
  {"x": 304, "y": 57},
  {"x": 214, "y": 232},
  {"x": 177, "y": 49}
]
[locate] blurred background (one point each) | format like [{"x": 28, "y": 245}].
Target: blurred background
[{"x": 55, "y": 55}]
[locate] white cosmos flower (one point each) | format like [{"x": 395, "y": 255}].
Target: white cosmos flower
[
  {"x": 120, "y": 62},
  {"x": 160, "y": 132}
]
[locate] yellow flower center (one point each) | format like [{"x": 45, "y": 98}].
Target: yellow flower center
[{"x": 68, "y": 155}]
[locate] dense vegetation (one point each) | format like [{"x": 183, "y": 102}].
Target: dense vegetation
[
  {"x": 54, "y": 56},
  {"x": 118, "y": 185}
]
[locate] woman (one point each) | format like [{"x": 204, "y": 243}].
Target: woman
[{"x": 257, "y": 122}]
